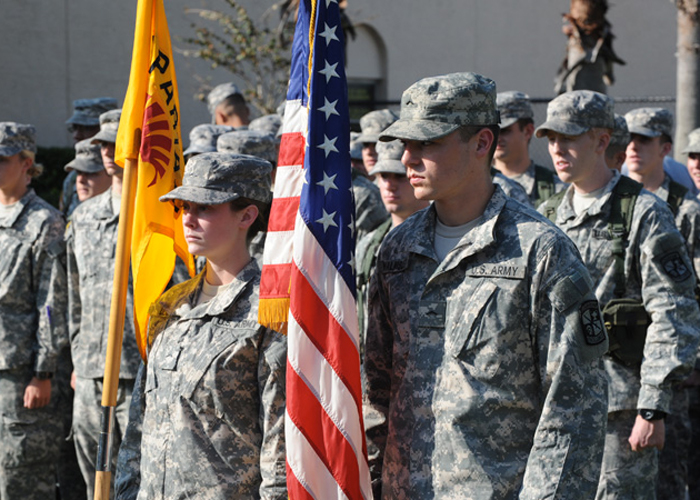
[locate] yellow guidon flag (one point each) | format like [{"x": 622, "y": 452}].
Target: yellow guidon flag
[{"x": 152, "y": 105}]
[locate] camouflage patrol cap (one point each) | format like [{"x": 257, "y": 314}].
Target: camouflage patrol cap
[
  {"x": 650, "y": 122},
  {"x": 374, "y": 123},
  {"x": 513, "y": 106},
  {"x": 693, "y": 142},
  {"x": 203, "y": 138},
  {"x": 87, "y": 158},
  {"x": 215, "y": 178},
  {"x": 249, "y": 142},
  {"x": 16, "y": 137},
  {"x": 389, "y": 159},
  {"x": 436, "y": 106},
  {"x": 269, "y": 124},
  {"x": 621, "y": 134},
  {"x": 576, "y": 112},
  {"x": 87, "y": 111},
  {"x": 219, "y": 93},
  {"x": 109, "y": 124},
  {"x": 355, "y": 146}
]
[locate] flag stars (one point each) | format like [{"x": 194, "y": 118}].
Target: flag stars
[
  {"x": 329, "y": 2},
  {"x": 328, "y": 145},
  {"x": 327, "y": 183},
  {"x": 327, "y": 220},
  {"x": 329, "y": 34},
  {"x": 329, "y": 71},
  {"x": 328, "y": 108}
]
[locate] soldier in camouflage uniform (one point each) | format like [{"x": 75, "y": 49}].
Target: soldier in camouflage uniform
[
  {"x": 372, "y": 124},
  {"x": 693, "y": 382},
  {"x": 32, "y": 322},
  {"x": 400, "y": 202},
  {"x": 616, "y": 152},
  {"x": 227, "y": 106},
  {"x": 92, "y": 178},
  {"x": 639, "y": 259},
  {"x": 254, "y": 143},
  {"x": 212, "y": 413},
  {"x": 651, "y": 130},
  {"x": 203, "y": 139},
  {"x": 91, "y": 242},
  {"x": 512, "y": 157},
  {"x": 83, "y": 124},
  {"x": 484, "y": 342}
]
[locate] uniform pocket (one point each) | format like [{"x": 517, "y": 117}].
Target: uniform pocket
[
  {"x": 465, "y": 332},
  {"x": 32, "y": 437}
]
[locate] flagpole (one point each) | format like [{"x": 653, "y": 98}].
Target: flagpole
[{"x": 116, "y": 325}]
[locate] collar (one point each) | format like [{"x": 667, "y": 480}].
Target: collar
[
  {"x": 14, "y": 213},
  {"x": 566, "y": 209}
]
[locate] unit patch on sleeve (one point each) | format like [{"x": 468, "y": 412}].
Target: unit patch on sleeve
[{"x": 592, "y": 323}]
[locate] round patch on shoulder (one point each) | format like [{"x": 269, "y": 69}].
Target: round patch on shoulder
[
  {"x": 591, "y": 322},
  {"x": 675, "y": 267}
]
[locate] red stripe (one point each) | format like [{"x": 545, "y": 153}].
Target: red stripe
[
  {"x": 327, "y": 334},
  {"x": 292, "y": 148},
  {"x": 274, "y": 281},
  {"x": 324, "y": 437},
  {"x": 294, "y": 488},
  {"x": 283, "y": 214}
]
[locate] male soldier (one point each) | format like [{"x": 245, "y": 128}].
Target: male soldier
[
  {"x": 640, "y": 265},
  {"x": 484, "y": 340},
  {"x": 651, "y": 130},
  {"x": 616, "y": 151},
  {"x": 372, "y": 124},
  {"x": 227, "y": 106},
  {"x": 512, "y": 157},
  {"x": 91, "y": 242},
  {"x": 83, "y": 124},
  {"x": 32, "y": 322},
  {"x": 92, "y": 178},
  {"x": 203, "y": 139},
  {"x": 400, "y": 202},
  {"x": 693, "y": 382}
]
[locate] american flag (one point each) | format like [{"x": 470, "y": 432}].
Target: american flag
[{"x": 309, "y": 254}]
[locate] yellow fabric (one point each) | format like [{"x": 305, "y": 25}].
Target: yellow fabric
[{"x": 152, "y": 106}]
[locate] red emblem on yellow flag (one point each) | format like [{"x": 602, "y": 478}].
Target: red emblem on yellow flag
[{"x": 152, "y": 106}]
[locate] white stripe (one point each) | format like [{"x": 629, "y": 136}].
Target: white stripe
[
  {"x": 332, "y": 394},
  {"x": 278, "y": 247},
  {"x": 302, "y": 459},
  {"x": 324, "y": 278},
  {"x": 288, "y": 181},
  {"x": 296, "y": 117}
]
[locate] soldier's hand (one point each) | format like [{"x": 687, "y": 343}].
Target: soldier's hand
[
  {"x": 647, "y": 434},
  {"x": 37, "y": 394}
]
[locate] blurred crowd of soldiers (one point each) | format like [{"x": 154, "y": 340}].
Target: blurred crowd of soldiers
[{"x": 505, "y": 352}]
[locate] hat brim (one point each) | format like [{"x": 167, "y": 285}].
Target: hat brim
[
  {"x": 646, "y": 132},
  {"x": 199, "y": 195},
  {"x": 9, "y": 150},
  {"x": 86, "y": 166},
  {"x": 561, "y": 127},
  {"x": 507, "y": 122},
  {"x": 104, "y": 136},
  {"x": 197, "y": 150},
  {"x": 388, "y": 167},
  {"x": 77, "y": 120},
  {"x": 363, "y": 138},
  {"x": 690, "y": 148},
  {"x": 417, "y": 130}
]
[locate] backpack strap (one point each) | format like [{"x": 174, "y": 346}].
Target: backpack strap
[
  {"x": 624, "y": 197},
  {"x": 552, "y": 204},
  {"x": 676, "y": 194},
  {"x": 544, "y": 184}
]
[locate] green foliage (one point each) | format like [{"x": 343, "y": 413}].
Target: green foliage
[
  {"x": 49, "y": 184},
  {"x": 257, "y": 54}
]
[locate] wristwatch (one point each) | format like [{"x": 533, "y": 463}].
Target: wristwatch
[
  {"x": 43, "y": 375},
  {"x": 652, "y": 414}
]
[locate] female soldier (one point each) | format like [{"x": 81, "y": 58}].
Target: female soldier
[
  {"x": 213, "y": 418},
  {"x": 32, "y": 326}
]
